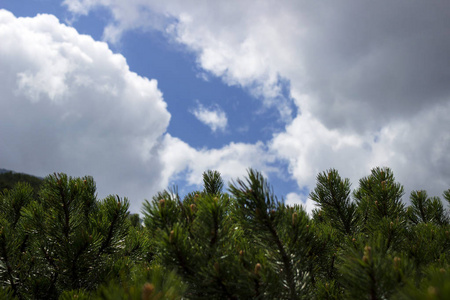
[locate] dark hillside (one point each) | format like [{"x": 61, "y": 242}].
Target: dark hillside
[{"x": 9, "y": 178}]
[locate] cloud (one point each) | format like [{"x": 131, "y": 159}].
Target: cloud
[
  {"x": 215, "y": 118},
  {"x": 295, "y": 199},
  {"x": 310, "y": 148},
  {"x": 70, "y": 104},
  {"x": 226, "y": 49},
  {"x": 369, "y": 81},
  {"x": 232, "y": 160}
]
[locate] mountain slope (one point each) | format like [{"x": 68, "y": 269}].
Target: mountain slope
[{"x": 9, "y": 178}]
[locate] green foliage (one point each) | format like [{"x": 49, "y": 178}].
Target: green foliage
[
  {"x": 426, "y": 210},
  {"x": 199, "y": 241},
  {"x": 213, "y": 182},
  {"x": 436, "y": 285},
  {"x": 282, "y": 231},
  {"x": 64, "y": 243},
  {"x": 371, "y": 272},
  {"x": 144, "y": 283},
  {"x": 332, "y": 195},
  {"x": 65, "y": 239},
  {"x": 379, "y": 196}
]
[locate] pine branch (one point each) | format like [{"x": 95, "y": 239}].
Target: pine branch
[
  {"x": 5, "y": 258},
  {"x": 212, "y": 182},
  {"x": 255, "y": 198},
  {"x": 332, "y": 195},
  {"x": 112, "y": 228}
]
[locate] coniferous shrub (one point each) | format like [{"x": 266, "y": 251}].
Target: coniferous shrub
[{"x": 243, "y": 243}]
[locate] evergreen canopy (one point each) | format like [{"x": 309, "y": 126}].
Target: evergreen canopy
[{"x": 64, "y": 243}]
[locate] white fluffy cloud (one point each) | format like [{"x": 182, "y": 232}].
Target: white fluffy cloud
[
  {"x": 231, "y": 161},
  {"x": 69, "y": 104},
  {"x": 215, "y": 118},
  {"x": 369, "y": 80},
  {"x": 221, "y": 40}
]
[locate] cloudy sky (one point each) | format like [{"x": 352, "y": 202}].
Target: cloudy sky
[{"x": 146, "y": 94}]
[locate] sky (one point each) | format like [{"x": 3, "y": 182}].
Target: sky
[{"x": 144, "y": 95}]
